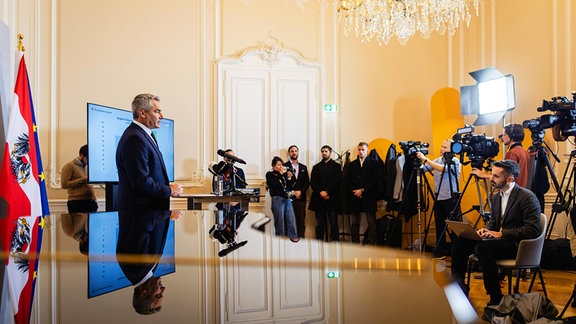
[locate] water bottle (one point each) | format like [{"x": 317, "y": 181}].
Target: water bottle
[{"x": 219, "y": 185}]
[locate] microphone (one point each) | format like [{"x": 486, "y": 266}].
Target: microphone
[{"x": 223, "y": 154}]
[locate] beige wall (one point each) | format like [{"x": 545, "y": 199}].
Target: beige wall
[{"x": 108, "y": 51}]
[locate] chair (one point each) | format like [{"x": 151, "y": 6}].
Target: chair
[{"x": 528, "y": 257}]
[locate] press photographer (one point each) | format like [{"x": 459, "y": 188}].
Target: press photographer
[
  {"x": 446, "y": 169},
  {"x": 278, "y": 181}
]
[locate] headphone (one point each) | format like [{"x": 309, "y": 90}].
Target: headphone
[{"x": 515, "y": 132}]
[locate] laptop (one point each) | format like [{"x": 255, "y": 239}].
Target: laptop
[{"x": 466, "y": 230}]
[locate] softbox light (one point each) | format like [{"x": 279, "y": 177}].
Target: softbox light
[{"x": 491, "y": 97}]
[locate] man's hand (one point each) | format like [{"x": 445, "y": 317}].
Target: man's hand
[
  {"x": 324, "y": 195},
  {"x": 175, "y": 190},
  {"x": 421, "y": 156},
  {"x": 486, "y": 233},
  {"x": 297, "y": 193},
  {"x": 479, "y": 173},
  {"x": 358, "y": 192}
]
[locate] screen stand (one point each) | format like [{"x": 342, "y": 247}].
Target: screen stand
[{"x": 111, "y": 196}]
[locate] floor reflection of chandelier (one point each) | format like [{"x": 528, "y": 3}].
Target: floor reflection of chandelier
[{"x": 384, "y": 19}]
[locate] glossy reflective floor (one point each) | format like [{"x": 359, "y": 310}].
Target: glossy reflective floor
[{"x": 262, "y": 279}]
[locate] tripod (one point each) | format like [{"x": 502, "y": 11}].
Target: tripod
[
  {"x": 449, "y": 169},
  {"x": 538, "y": 155},
  {"x": 481, "y": 207},
  {"x": 415, "y": 174}
]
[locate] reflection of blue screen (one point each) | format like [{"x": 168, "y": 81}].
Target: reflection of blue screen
[
  {"x": 104, "y": 273},
  {"x": 105, "y": 127}
]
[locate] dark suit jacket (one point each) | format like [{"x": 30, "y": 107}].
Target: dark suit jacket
[
  {"x": 359, "y": 177},
  {"x": 521, "y": 219},
  {"x": 143, "y": 181},
  {"x": 325, "y": 177},
  {"x": 303, "y": 180},
  {"x": 141, "y": 234}
]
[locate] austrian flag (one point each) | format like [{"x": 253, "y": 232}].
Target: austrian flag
[{"x": 23, "y": 193}]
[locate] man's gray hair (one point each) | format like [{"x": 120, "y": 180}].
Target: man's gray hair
[{"x": 143, "y": 101}]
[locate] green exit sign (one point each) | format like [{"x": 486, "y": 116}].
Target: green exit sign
[
  {"x": 330, "y": 107},
  {"x": 333, "y": 274}
]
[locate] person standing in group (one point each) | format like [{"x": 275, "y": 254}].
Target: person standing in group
[
  {"x": 279, "y": 182},
  {"x": 143, "y": 180},
  {"x": 446, "y": 170},
  {"x": 325, "y": 182},
  {"x": 299, "y": 188},
  {"x": 512, "y": 137},
  {"x": 81, "y": 197},
  {"x": 362, "y": 176}
]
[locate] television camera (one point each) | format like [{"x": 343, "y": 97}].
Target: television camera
[
  {"x": 410, "y": 148},
  {"x": 479, "y": 148},
  {"x": 562, "y": 122}
]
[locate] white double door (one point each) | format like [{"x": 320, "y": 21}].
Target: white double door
[{"x": 264, "y": 108}]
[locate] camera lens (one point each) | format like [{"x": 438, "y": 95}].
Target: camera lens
[{"x": 457, "y": 147}]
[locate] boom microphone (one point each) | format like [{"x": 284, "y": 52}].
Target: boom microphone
[{"x": 223, "y": 154}]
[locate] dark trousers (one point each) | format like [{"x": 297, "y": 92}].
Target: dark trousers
[
  {"x": 322, "y": 219},
  {"x": 355, "y": 227},
  {"x": 487, "y": 252},
  {"x": 82, "y": 206},
  {"x": 300, "y": 213},
  {"x": 442, "y": 209}
]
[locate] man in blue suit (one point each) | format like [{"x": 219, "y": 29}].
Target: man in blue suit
[{"x": 143, "y": 180}]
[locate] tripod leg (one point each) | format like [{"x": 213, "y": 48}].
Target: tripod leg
[{"x": 568, "y": 303}]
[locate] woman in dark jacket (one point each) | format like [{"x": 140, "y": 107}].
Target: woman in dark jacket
[{"x": 278, "y": 180}]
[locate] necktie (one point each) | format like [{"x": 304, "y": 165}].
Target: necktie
[{"x": 154, "y": 138}]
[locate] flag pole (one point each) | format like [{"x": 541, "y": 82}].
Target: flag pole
[{"x": 20, "y": 44}]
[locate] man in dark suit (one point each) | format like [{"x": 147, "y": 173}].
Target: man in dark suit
[
  {"x": 362, "y": 176},
  {"x": 325, "y": 182},
  {"x": 299, "y": 188},
  {"x": 515, "y": 216},
  {"x": 143, "y": 181},
  {"x": 143, "y": 234}
]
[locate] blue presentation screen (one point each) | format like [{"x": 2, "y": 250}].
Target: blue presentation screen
[
  {"x": 104, "y": 272},
  {"x": 105, "y": 127}
]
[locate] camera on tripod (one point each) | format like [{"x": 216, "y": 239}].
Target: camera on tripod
[
  {"x": 477, "y": 147},
  {"x": 562, "y": 122},
  {"x": 411, "y": 147}
]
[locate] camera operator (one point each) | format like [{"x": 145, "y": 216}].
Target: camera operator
[
  {"x": 512, "y": 137},
  {"x": 278, "y": 181},
  {"x": 446, "y": 170},
  {"x": 233, "y": 178}
]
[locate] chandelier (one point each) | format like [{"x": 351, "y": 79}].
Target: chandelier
[{"x": 384, "y": 19}]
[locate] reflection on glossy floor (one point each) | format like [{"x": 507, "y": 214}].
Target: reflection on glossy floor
[{"x": 559, "y": 285}]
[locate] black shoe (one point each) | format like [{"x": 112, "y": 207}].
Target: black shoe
[{"x": 495, "y": 300}]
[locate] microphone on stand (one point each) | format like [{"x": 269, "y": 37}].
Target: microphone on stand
[{"x": 234, "y": 158}]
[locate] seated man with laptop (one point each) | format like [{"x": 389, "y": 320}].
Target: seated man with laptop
[{"x": 515, "y": 216}]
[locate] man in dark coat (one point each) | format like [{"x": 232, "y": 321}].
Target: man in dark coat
[
  {"x": 325, "y": 182},
  {"x": 362, "y": 176},
  {"x": 143, "y": 180}
]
